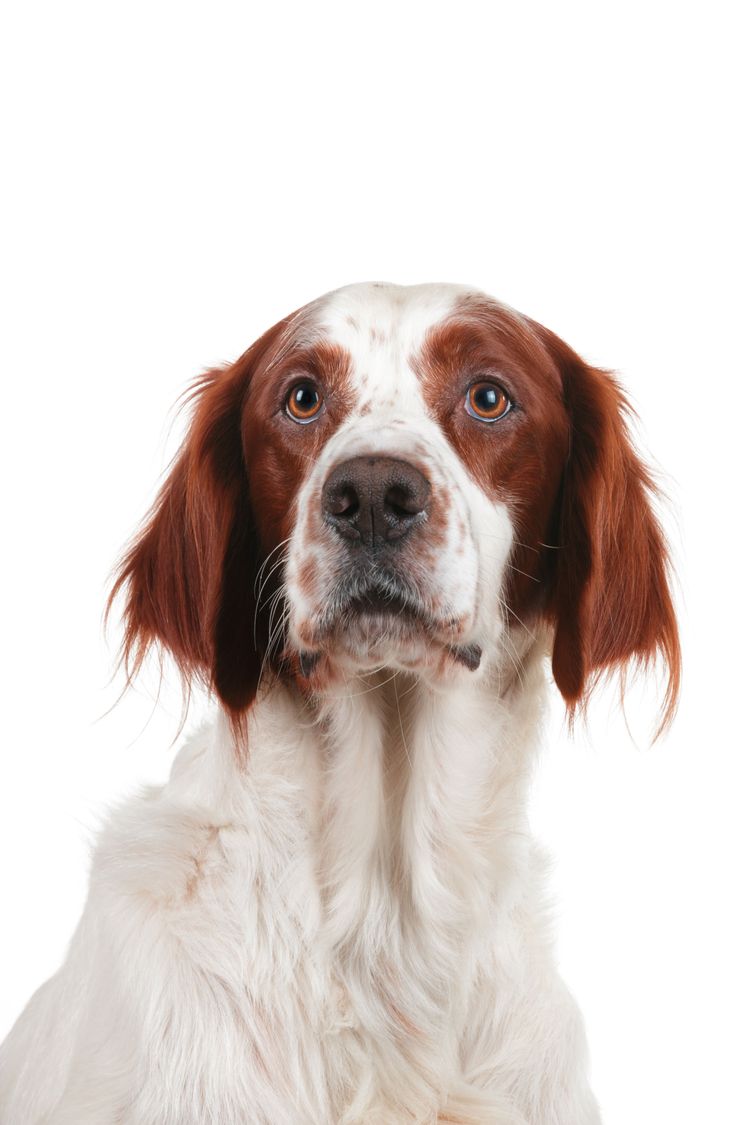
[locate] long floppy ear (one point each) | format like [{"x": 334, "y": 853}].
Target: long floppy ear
[
  {"x": 610, "y": 599},
  {"x": 188, "y": 575}
]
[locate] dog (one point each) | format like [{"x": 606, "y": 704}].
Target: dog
[{"x": 385, "y": 518}]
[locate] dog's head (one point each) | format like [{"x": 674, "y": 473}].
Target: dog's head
[{"x": 402, "y": 477}]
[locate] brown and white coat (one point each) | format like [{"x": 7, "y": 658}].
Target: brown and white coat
[{"x": 385, "y": 516}]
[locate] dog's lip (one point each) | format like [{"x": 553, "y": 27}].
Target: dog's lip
[
  {"x": 381, "y": 603},
  {"x": 470, "y": 656},
  {"x": 308, "y": 661},
  {"x": 380, "y": 595}
]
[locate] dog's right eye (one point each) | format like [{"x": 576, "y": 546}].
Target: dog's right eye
[{"x": 304, "y": 403}]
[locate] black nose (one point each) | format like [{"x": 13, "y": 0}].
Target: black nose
[{"x": 375, "y": 500}]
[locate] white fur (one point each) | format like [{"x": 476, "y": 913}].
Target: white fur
[{"x": 347, "y": 927}]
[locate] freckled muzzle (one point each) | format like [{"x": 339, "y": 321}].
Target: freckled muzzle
[
  {"x": 378, "y": 601},
  {"x": 373, "y": 502}
]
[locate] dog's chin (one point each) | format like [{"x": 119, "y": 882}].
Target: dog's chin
[{"x": 368, "y": 638}]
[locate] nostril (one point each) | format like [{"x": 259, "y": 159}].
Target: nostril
[
  {"x": 344, "y": 502},
  {"x": 342, "y": 507},
  {"x": 402, "y": 502}
]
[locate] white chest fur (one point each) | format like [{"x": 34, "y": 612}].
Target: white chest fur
[{"x": 340, "y": 929}]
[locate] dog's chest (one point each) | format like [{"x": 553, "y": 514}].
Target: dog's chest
[
  {"x": 328, "y": 928},
  {"x": 325, "y": 988}
]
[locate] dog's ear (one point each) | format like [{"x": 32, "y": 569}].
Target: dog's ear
[
  {"x": 188, "y": 576},
  {"x": 610, "y": 601}
]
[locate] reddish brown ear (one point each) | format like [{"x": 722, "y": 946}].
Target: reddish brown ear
[
  {"x": 610, "y": 601},
  {"x": 188, "y": 575}
]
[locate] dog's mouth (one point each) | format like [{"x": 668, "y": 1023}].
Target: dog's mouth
[
  {"x": 379, "y": 599},
  {"x": 378, "y": 615},
  {"x": 393, "y": 602}
]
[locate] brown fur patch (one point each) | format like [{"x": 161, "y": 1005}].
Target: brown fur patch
[
  {"x": 227, "y": 502},
  {"x": 589, "y": 554}
]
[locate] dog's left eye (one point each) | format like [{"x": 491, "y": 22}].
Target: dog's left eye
[
  {"x": 487, "y": 401},
  {"x": 304, "y": 403}
]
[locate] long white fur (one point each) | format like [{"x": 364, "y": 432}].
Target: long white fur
[{"x": 349, "y": 926}]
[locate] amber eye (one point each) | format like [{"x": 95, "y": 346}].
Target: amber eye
[
  {"x": 303, "y": 403},
  {"x": 487, "y": 401}
]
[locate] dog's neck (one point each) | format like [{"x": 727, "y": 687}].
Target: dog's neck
[
  {"x": 387, "y": 827},
  {"x": 422, "y": 793},
  {"x": 410, "y": 798}
]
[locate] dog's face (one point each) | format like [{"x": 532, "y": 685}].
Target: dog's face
[
  {"x": 401, "y": 477},
  {"x": 415, "y": 411}
]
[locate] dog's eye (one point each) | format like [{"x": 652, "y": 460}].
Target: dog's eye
[
  {"x": 304, "y": 403},
  {"x": 487, "y": 401}
]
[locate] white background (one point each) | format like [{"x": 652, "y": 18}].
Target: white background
[{"x": 177, "y": 178}]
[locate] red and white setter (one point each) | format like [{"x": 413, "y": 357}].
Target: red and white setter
[{"x": 385, "y": 517}]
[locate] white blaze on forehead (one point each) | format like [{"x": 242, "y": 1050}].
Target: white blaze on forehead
[
  {"x": 383, "y": 327},
  {"x": 392, "y": 309}
]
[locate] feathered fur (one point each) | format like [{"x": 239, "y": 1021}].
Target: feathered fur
[{"x": 333, "y": 913}]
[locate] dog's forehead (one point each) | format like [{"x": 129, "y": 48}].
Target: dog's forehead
[
  {"x": 391, "y": 313},
  {"x": 383, "y": 327}
]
